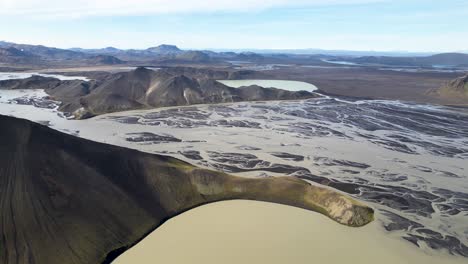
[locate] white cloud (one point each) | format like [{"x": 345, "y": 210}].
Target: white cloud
[{"x": 80, "y": 8}]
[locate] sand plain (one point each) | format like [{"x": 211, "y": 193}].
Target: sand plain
[{"x": 310, "y": 129}]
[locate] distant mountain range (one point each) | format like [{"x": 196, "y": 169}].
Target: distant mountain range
[
  {"x": 162, "y": 49},
  {"x": 331, "y": 52},
  {"x": 22, "y": 54},
  {"x": 38, "y": 55},
  {"x": 437, "y": 60}
]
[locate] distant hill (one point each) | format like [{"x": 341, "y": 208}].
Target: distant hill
[
  {"x": 193, "y": 56},
  {"x": 104, "y": 60},
  {"x": 65, "y": 199},
  {"x": 107, "y": 50},
  {"x": 47, "y": 53},
  {"x": 15, "y": 56},
  {"x": 443, "y": 59},
  {"x": 165, "y": 49},
  {"x": 448, "y": 59},
  {"x": 36, "y": 54}
]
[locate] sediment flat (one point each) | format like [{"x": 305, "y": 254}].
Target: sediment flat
[{"x": 414, "y": 176}]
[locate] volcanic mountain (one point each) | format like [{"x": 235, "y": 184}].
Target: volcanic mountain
[
  {"x": 144, "y": 88},
  {"x": 64, "y": 199}
]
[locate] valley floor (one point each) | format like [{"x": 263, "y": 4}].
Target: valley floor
[{"x": 408, "y": 161}]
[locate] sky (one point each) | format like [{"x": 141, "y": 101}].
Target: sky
[{"x": 362, "y": 25}]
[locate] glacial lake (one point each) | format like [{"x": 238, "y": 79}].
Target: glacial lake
[{"x": 279, "y": 84}]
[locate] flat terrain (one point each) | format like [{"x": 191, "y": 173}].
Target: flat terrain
[{"x": 373, "y": 83}]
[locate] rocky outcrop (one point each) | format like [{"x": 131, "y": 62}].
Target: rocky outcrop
[
  {"x": 69, "y": 200},
  {"x": 456, "y": 90},
  {"x": 459, "y": 85}
]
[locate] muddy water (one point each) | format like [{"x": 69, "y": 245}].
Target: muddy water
[{"x": 254, "y": 232}]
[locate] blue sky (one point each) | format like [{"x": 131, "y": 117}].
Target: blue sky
[{"x": 383, "y": 25}]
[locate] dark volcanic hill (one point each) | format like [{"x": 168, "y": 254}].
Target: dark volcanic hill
[
  {"x": 64, "y": 199},
  {"x": 144, "y": 88}
]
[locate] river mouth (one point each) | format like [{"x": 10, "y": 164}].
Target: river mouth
[{"x": 293, "y": 86}]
